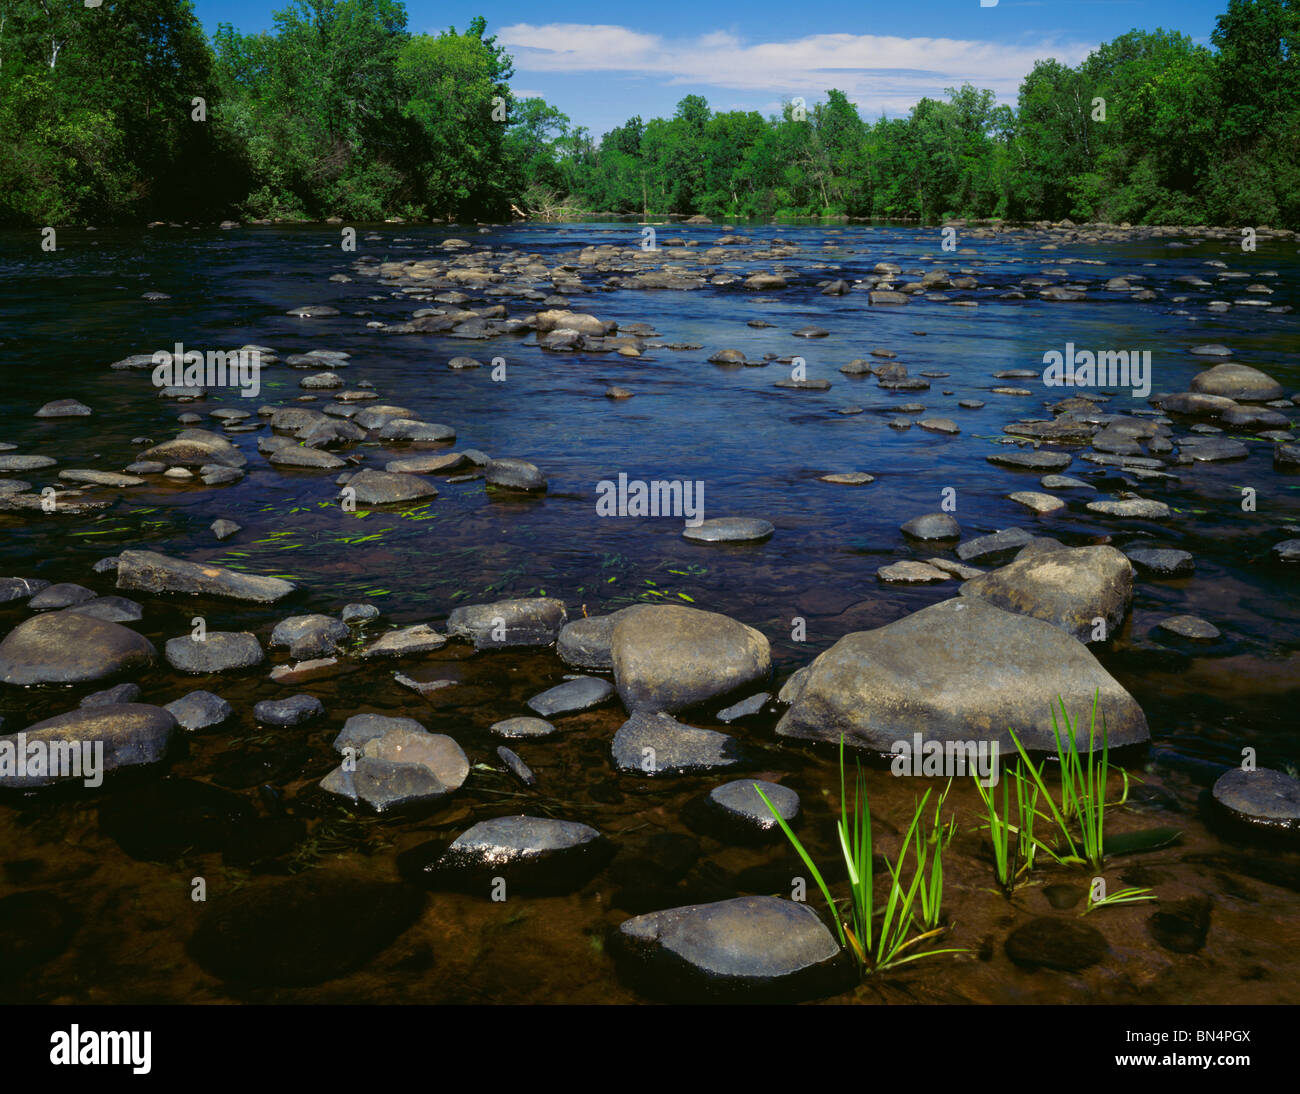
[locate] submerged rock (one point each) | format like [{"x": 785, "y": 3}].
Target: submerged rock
[
  {"x": 730, "y": 530},
  {"x": 658, "y": 744},
  {"x": 199, "y": 710},
  {"x": 959, "y": 670},
  {"x": 1051, "y": 943},
  {"x": 286, "y": 934}
]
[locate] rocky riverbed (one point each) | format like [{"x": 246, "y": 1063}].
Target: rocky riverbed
[{"x": 364, "y": 649}]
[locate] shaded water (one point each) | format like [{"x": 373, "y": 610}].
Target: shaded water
[{"x": 757, "y": 449}]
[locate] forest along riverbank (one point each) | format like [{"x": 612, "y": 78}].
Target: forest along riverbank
[{"x": 343, "y": 603}]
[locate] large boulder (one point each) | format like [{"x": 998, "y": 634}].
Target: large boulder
[
  {"x": 668, "y": 657},
  {"x": 150, "y": 572},
  {"x": 959, "y": 670},
  {"x": 68, "y": 648},
  {"x": 1070, "y": 588},
  {"x": 128, "y": 733}
]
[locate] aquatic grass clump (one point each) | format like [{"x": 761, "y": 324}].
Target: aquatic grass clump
[
  {"x": 1123, "y": 896},
  {"x": 883, "y": 946},
  {"x": 1083, "y": 788},
  {"x": 1012, "y": 835}
]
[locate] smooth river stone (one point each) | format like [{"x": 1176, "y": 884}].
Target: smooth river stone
[
  {"x": 572, "y": 696},
  {"x": 131, "y": 734},
  {"x": 66, "y": 648},
  {"x": 1263, "y": 797},
  {"x": 730, "y": 530}
]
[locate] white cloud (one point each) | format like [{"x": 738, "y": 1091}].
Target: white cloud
[{"x": 877, "y": 72}]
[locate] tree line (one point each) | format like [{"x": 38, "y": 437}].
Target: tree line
[{"x": 129, "y": 111}]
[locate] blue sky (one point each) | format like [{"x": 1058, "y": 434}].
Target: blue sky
[{"x": 601, "y": 63}]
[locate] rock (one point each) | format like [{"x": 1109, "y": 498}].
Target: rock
[
  {"x": 1211, "y": 351},
  {"x": 309, "y": 636},
  {"x": 398, "y": 766},
  {"x": 1194, "y": 404},
  {"x": 1182, "y": 925},
  {"x": 1064, "y": 482},
  {"x": 1162, "y": 563},
  {"x": 739, "y": 802},
  {"x": 993, "y": 546},
  {"x": 1286, "y": 457},
  {"x": 288, "y": 712},
  {"x": 750, "y": 948},
  {"x": 20, "y": 588},
  {"x": 939, "y": 425},
  {"x": 298, "y": 456},
  {"x": 150, "y": 572},
  {"x": 224, "y": 529},
  {"x": 371, "y": 487},
  {"x": 10, "y": 462},
  {"x": 1189, "y": 626},
  {"x": 533, "y": 621},
  {"x": 406, "y": 642},
  {"x": 572, "y": 696},
  {"x": 312, "y": 311},
  {"x": 358, "y": 613},
  {"x": 668, "y": 657},
  {"x": 67, "y": 648},
  {"x": 516, "y": 766},
  {"x": 199, "y": 710},
  {"x": 427, "y": 464},
  {"x": 531, "y": 854},
  {"x": 584, "y": 643},
  {"x": 63, "y": 595},
  {"x": 1262, "y": 798},
  {"x": 300, "y": 672},
  {"x": 122, "y": 693},
  {"x": 657, "y": 744},
  {"x": 285, "y": 934},
  {"x": 729, "y": 530},
  {"x": 100, "y": 478},
  {"x": 218, "y": 652},
  {"x": 195, "y": 448},
  {"x": 1069, "y": 588},
  {"x": 522, "y": 727},
  {"x": 1031, "y": 461},
  {"x": 64, "y": 408},
  {"x": 911, "y": 573},
  {"x": 1039, "y": 503},
  {"x": 131, "y": 734},
  {"x": 1051, "y": 943},
  {"x": 1239, "y": 382},
  {"x": 615, "y": 392},
  {"x": 1140, "y": 508},
  {"x": 804, "y": 385},
  {"x": 1286, "y": 551},
  {"x": 727, "y": 357},
  {"x": 932, "y": 526},
  {"x": 848, "y": 478},
  {"x": 744, "y": 708},
  {"x": 958, "y": 670},
  {"x": 513, "y": 474}
]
